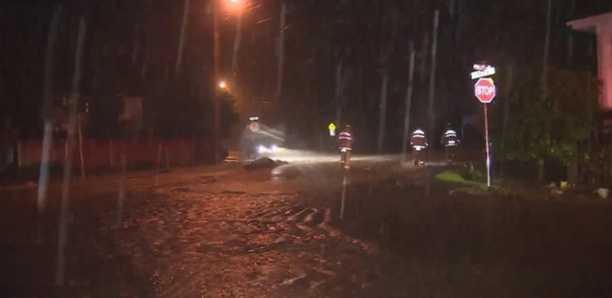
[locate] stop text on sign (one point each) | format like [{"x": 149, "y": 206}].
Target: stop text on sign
[{"x": 484, "y": 90}]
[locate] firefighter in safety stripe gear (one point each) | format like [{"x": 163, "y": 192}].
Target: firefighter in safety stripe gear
[
  {"x": 345, "y": 144},
  {"x": 418, "y": 141},
  {"x": 450, "y": 141}
]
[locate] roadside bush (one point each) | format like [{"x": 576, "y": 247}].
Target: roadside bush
[{"x": 470, "y": 173}]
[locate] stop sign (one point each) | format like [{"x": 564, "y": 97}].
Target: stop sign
[{"x": 484, "y": 89}]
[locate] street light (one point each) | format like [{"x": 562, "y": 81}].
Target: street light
[
  {"x": 235, "y": 6},
  {"x": 222, "y": 85}
]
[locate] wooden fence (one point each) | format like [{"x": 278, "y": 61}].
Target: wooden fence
[{"x": 106, "y": 153}]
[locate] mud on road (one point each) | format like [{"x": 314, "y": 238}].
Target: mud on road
[
  {"x": 243, "y": 245},
  {"x": 198, "y": 235},
  {"x": 194, "y": 235}
]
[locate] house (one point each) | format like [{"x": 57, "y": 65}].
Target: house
[{"x": 601, "y": 25}]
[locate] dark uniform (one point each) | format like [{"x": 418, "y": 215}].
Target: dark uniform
[
  {"x": 345, "y": 144},
  {"x": 450, "y": 141},
  {"x": 418, "y": 141}
]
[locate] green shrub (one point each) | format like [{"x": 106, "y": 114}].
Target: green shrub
[{"x": 470, "y": 173}]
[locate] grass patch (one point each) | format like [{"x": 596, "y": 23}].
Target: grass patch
[{"x": 456, "y": 178}]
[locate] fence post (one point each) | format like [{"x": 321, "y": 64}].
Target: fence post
[
  {"x": 193, "y": 151},
  {"x": 167, "y": 159},
  {"x": 159, "y": 152},
  {"x": 19, "y": 154},
  {"x": 122, "y": 182},
  {"x": 82, "y": 158},
  {"x": 111, "y": 153}
]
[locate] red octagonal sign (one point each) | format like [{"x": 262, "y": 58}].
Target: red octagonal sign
[{"x": 484, "y": 89}]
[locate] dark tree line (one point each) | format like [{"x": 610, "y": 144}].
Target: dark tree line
[{"x": 132, "y": 46}]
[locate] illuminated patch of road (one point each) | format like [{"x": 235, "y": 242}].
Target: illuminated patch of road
[{"x": 218, "y": 245}]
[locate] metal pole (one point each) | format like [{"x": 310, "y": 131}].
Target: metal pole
[
  {"x": 216, "y": 99},
  {"x": 486, "y": 123}
]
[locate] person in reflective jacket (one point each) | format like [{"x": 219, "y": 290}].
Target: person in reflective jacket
[
  {"x": 418, "y": 141},
  {"x": 345, "y": 144},
  {"x": 450, "y": 141}
]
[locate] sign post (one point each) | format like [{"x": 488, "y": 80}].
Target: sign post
[
  {"x": 484, "y": 89},
  {"x": 332, "y": 129}
]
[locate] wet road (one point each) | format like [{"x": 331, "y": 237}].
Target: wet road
[
  {"x": 224, "y": 231},
  {"x": 219, "y": 231},
  {"x": 257, "y": 233}
]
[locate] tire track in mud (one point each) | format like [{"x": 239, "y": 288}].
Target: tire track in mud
[{"x": 266, "y": 243}]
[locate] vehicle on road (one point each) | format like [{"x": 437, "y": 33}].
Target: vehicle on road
[{"x": 258, "y": 142}]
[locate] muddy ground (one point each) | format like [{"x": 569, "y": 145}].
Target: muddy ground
[{"x": 190, "y": 239}]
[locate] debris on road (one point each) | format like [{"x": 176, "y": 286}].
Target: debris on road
[
  {"x": 263, "y": 163},
  {"x": 602, "y": 193}
]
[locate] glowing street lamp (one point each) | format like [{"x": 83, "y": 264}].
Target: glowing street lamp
[{"x": 235, "y": 6}]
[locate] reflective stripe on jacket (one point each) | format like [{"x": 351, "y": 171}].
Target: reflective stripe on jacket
[
  {"x": 450, "y": 138},
  {"x": 345, "y": 139},
  {"x": 418, "y": 138}
]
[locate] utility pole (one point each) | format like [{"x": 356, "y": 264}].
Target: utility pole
[
  {"x": 385, "y": 53},
  {"x": 237, "y": 39},
  {"x": 338, "y": 94},
  {"x": 179, "y": 55},
  {"x": 382, "y": 109},
  {"x": 508, "y": 88},
  {"x": 280, "y": 57},
  {"x": 241, "y": 104},
  {"x": 216, "y": 93},
  {"x": 546, "y": 51},
  {"x": 47, "y": 110},
  {"x": 432, "y": 80},
  {"x": 408, "y": 102},
  {"x": 64, "y": 209}
]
